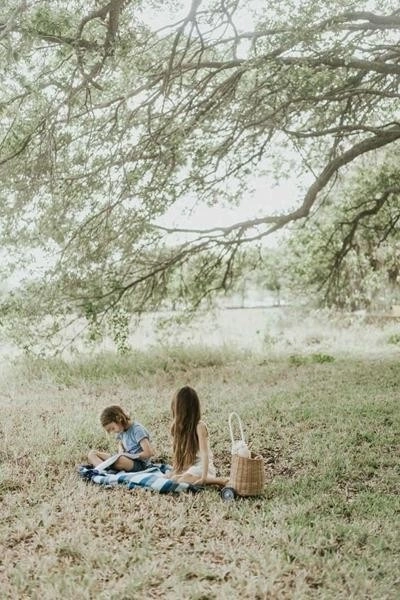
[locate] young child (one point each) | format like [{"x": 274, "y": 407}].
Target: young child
[
  {"x": 132, "y": 437},
  {"x": 192, "y": 458}
]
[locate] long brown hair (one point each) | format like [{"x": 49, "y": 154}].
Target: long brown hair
[
  {"x": 186, "y": 415},
  {"x": 115, "y": 414}
]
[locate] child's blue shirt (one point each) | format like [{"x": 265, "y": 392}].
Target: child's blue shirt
[{"x": 131, "y": 438}]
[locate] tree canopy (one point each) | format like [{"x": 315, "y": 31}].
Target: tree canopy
[
  {"x": 108, "y": 119},
  {"x": 350, "y": 251}
]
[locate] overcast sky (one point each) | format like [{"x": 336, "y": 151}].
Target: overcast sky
[{"x": 266, "y": 199}]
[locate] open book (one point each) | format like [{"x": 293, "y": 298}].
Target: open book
[{"x": 110, "y": 461}]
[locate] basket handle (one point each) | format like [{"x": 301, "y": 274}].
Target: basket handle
[{"x": 231, "y": 416}]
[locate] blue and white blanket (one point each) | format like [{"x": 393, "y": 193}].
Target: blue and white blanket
[{"x": 152, "y": 478}]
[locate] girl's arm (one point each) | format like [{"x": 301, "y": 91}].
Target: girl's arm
[
  {"x": 202, "y": 434},
  {"x": 147, "y": 449}
]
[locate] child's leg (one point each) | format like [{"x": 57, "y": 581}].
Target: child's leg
[
  {"x": 123, "y": 464},
  {"x": 189, "y": 478},
  {"x": 219, "y": 481},
  {"x": 95, "y": 457}
]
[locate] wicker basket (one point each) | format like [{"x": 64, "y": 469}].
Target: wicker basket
[{"x": 247, "y": 476}]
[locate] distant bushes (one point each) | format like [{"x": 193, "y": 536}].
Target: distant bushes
[
  {"x": 297, "y": 360},
  {"x": 394, "y": 338}
]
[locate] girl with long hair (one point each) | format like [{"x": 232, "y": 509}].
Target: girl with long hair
[{"x": 192, "y": 457}]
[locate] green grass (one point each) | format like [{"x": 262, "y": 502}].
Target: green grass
[{"x": 324, "y": 528}]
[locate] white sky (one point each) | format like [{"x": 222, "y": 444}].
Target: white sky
[{"x": 265, "y": 200}]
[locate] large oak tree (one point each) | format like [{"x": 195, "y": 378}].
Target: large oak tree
[{"x": 107, "y": 120}]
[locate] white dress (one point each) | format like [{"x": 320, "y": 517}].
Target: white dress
[
  {"x": 197, "y": 471},
  {"x": 196, "y": 468}
]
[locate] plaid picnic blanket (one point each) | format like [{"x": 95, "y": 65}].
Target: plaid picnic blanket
[{"x": 152, "y": 478}]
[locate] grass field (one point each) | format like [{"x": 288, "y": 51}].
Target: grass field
[{"x": 326, "y": 526}]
